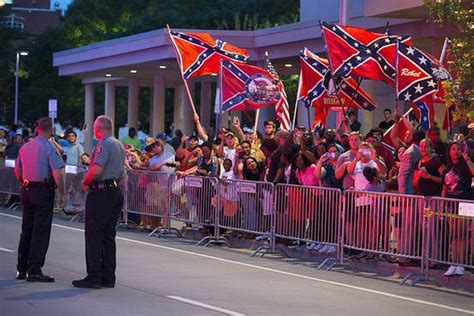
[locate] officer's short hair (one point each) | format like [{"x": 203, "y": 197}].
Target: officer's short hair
[
  {"x": 104, "y": 122},
  {"x": 45, "y": 124}
]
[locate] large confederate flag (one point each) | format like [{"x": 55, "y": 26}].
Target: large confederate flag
[
  {"x": 356, "y": 51},
  {"x": 199, "y": 54},
  {"x": 246, "y": 87},
  {"x": 418, "y": 74}
]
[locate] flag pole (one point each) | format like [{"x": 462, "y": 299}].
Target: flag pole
[
  {"x": 397, "y": 48},
  {"x": 404, "y": 115},
  {"x": 188, "y": 92},
  {"x": 257, "y": 117},
  {"x": 444, "y": 50},
  {"x": 297, "y": 102},
  {"x": 331, "y": 71}
]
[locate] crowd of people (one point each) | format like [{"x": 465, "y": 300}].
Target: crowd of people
[{"x": 418, "y": 163}]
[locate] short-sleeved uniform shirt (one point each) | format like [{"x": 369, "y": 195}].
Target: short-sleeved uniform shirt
[
  {"x": 37, "y": 159},
  {"x": 347, "y": 180},
  {"x": 109, "y": 153}
]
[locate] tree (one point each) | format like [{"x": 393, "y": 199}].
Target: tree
[
  {"x": 459, "y": 14},
  {"x": 91, "y": 21}
]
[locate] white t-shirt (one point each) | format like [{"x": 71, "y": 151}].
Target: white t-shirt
[
  {"x": 227, "y": 175},
  {"x": 229, "y": 153},
  {"x": 360, "y": 182}
]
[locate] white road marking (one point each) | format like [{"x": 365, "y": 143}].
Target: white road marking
[
  {"x": 301, "y": 276},
  {"x": 6, "y": 250},
  {"x": 204, "y": 305}
]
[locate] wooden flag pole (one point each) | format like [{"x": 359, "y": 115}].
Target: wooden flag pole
[
  {"x": 444, "y": 50},
  {"x": 404, "y": 115},
  {"x": 297, "y": 102},
  {"x": 188, "y": 92},
  {"x": 257, "y": 117}
]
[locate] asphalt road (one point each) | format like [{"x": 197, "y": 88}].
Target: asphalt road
[{"x": 169, "y": 277}]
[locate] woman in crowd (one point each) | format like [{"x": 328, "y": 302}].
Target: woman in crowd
[
  {"x": 427, "y": 176},
  {"x": 362, "y": 216},
  {"x": 457, "y": 179}
]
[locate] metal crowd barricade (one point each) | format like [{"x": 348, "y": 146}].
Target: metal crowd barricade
[
  {"x": 384, "y": 223},
  {"x": 307, "y": 213},
  {"x": 194, "y": 200},
  {"x": 8, "y": 182},
  {"x": 450, "y": 232},
  {"x": 247, "y": 206},
  {"x": 75, "y": 194},
  {"x": 148, "y": 195}
]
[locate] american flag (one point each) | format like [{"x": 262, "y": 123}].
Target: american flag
[
  {"x": 199, "y": 54},
  {"x": 282, "y": 109}
]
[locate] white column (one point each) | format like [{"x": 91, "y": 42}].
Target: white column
[
  {"x": 157, "y": 118},
  {"x": 89, "y": 115},
  {"x": 205, "y": 109},
  {"x": 367, "y": 118},
  {"x": 110, "y": 100},
  {"x": 178, "y": 106},
  {"x": 133, "y": 90}
]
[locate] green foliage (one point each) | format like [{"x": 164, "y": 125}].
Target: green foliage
[
  {"x": 460, "y": 15},
  {"x": 91, "y": 21}
]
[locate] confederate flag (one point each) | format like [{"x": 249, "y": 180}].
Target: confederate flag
[
  {"x": 199, "y": 54},
  {"x": 418, "y": 74},
  {"x": 358, "y": 52},
  {"x": 246, "y": 87},
  {"x": 315, "y": 88},
  {"x": 424, "y": 112}
]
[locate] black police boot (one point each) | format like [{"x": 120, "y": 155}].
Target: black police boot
[
  {"x": 21, "y": 275},
  {"x": 86, "y": 283},
  {"x": 39, "y": 277}
]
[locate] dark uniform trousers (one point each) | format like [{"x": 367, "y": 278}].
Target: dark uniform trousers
[
  {"x": 38, "y": 205},
  {"x": 102, "y": 212}
]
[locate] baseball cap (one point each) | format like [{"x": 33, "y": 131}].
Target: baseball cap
[
  {"x": 161, "y": 135},
  {"x": 269, "y": 122}
]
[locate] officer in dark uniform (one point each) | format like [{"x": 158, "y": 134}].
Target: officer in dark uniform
[
  {"x": 39, "y": 170},
  {"x": 103, "y": 205}
]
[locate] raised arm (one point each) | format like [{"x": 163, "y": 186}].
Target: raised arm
[{"x": 200, "y": 130}]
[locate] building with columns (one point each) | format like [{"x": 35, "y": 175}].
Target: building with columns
[{"x": 147, "y": 60}]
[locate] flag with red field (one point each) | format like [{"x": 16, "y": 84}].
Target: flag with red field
[
  {"x": 199, "y": 54},
  {"x": 356, "y": 51},
  {"x": 246, "y": 87},
  {"x": 418, "y": 74}
]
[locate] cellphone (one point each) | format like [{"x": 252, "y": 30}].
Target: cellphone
[
  {"x": 235, "y": 119},
  {"x": 366, "y": 152},
  {"x": 84, "y": 126},
  {"x": 331, "y": 155}
]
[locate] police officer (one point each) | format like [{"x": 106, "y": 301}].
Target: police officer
[
  {"x": 39, "y": 170},
  {"x": 103, "y": 204}
]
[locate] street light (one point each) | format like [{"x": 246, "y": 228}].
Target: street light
[{"x": 18, "y": 54}]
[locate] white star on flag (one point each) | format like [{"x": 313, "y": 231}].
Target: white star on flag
[
  {"x": 367, "y": 51},
  {"x": 358, "y": 58},
  {"x": 423, "y": 60},
  {"x": 410, "y": 51},
  {"x": 376, "y": 45},
  {"x": 407, "y": 96},
  {"x": 387, "y": 40},
  {"x": 418, "y": 88},
  {"x": 431, "y": 84}
]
